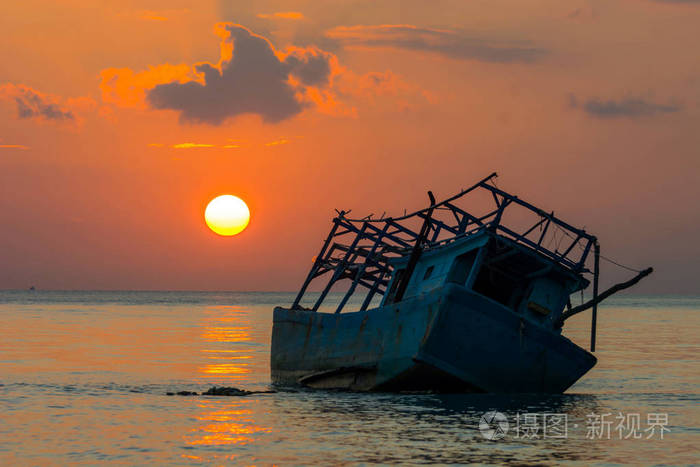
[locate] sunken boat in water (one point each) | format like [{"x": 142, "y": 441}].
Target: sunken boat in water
[{"x": 454, "y": 299}]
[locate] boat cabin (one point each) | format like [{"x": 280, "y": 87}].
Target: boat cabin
[{"x": 497, "y": 268}]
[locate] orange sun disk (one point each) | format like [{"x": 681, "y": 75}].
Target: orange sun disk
[{"x": 227, "y": 215}]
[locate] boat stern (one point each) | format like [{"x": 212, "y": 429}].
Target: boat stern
[{"x": 494, "y": 349}]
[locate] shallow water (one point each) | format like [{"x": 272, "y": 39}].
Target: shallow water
[{"x": 84, "y": 375}]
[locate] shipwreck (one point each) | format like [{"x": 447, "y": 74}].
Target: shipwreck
[{"x": 469, "y": 294}]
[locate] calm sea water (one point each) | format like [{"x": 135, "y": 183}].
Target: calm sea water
[{"x": 83, "y": 377}]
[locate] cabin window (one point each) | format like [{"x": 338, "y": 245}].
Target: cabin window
[
  {"x": 496, "y": 285},
  {"x": 461, "y": 267},
  {"x": 428, "y": 272},
  {"x": 503, "y": 275}
]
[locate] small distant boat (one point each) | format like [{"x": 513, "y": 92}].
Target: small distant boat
[
  {"x": 471, "y": 301},
  {"x": 32, "y": 288}
]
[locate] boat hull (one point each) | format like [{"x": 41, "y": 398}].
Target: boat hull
[{"x": 447, "y": 340}]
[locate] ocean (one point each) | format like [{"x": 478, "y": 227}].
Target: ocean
[{"x": 84, "y": 377}]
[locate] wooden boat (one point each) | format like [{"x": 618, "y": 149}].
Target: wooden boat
[{"x": 468, "y": 302}]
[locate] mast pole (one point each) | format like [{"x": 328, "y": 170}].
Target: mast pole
[{"x": 596, "y": 274}]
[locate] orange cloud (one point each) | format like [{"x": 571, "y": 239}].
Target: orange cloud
[
  {"x": 327, "y": 102},
  {"x": 250, "y": 77},
  {"x": 192, "y": 145},
  {"x": 13, "y": 146},
  {"x": 278, "y": 142},
  {"x": 127, "y": 88}
]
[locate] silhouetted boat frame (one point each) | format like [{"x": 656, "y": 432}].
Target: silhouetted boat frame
[{"x": 469, "y": 302}]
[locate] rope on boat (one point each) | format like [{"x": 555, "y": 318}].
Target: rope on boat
[
  {"x": 609, "y": 260},
  {"x": 620, "y": 265}
]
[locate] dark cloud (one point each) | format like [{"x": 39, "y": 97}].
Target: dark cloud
[
  {"x": 254, "y": 80},
  {"x": 31, "y": 104},
  {"x": 312, "y": 67},
  {"x": 630, "y": 107},
  {"x": 452, "y": 44}
]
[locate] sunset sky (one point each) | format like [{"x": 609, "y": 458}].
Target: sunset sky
[{"x": 120, "y": 121}]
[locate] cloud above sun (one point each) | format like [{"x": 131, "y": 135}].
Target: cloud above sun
[{"x": 252, "y": 77}]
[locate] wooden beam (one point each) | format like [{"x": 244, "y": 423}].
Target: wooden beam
[{"x": 612, "y": 290}]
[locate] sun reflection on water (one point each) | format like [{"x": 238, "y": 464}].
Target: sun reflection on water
[
  {"x": 227, "y": 422},
  {"x": 227, "y": 356},
  {"x": 227, "y": 327}
]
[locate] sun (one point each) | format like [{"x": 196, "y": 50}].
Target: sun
[{"x": 227, "y": 215}]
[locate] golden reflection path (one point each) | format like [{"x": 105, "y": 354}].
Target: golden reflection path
[
  {"x": 224, "y": 327},
  {"x": 227, "y": 420}
]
